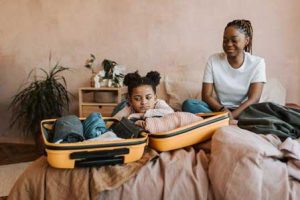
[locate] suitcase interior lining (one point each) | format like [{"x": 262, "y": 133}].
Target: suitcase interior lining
[{"x": 48, "y": 126}]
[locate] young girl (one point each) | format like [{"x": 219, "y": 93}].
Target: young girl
[
  {"x": 142, "y": 99},
  {"x": 236, "y": 76}
]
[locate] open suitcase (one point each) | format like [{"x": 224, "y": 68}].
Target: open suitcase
[
  {"x": 92, "y": 153},
  {"x": 194, "y": 133}
]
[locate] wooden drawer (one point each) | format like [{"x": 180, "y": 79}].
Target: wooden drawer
[{"x": 104, "y": 110}]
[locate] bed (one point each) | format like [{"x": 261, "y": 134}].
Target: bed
[{"x": 234, "y": 164}]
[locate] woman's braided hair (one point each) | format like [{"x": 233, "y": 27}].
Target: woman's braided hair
[
  {"x": 245, "y": 27},
  {"x": 134, "y": 80}
]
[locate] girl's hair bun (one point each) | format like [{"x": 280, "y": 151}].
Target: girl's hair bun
[
  {"x": 131, "y": 78},
  {"x": 154, "y": 77}
]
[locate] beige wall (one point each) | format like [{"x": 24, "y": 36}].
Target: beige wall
[{"x": 176, "y": 35}]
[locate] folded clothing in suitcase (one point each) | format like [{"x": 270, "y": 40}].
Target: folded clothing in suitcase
[
  {"x": 126, "y": 128},
  {"x": 193, "y": 133},
  {"x": 92, "y": 153}
]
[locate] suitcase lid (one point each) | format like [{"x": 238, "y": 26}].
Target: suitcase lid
[{"x": 209, "y": 118}]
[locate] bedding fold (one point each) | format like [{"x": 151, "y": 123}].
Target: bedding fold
[
  {"x": 253, "y": 166},
  {"x": 178, "y": 174}
]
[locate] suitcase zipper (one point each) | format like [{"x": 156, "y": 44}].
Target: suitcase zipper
[{"x": 95, "y": 146}]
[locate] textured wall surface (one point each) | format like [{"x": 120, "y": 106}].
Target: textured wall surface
[{"x": 172, "y": 36}]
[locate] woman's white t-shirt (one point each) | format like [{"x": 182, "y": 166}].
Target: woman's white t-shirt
[{"x": 232, "y": 85}]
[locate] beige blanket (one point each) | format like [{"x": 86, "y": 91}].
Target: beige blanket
[
  {"x": 40, "y": 181},
  {"x": 179, "y": 174},
  {"x": 241, "y": 165},
  {"x": 250, "y": 166}
]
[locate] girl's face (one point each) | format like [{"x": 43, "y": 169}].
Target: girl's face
[
  {"x": 234, "y": 41},
  {"x": 142, "y": 98}
]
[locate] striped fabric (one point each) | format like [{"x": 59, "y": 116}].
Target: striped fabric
[{"x": 170, "y": 121}]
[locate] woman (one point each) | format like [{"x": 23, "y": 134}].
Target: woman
[{"x": 236, "y": 76}]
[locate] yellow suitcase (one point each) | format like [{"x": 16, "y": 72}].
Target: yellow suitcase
[
  {"x": 194, "y": 133},
  {"x": 92, "y": 153}
]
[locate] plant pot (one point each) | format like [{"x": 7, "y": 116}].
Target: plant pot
[{"x": 104, "y": 83}]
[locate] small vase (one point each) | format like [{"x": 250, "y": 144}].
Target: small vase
[
  {"x": 95, "y": 81},
  {"x": 104, "y": 82},
  {"x": 92, "y": 80}
]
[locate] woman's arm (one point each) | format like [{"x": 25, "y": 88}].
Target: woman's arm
[
  {"x": 254, "y": 94},
  {"x": 207, "y": 96},
  {"x": 214, "y": 104}
]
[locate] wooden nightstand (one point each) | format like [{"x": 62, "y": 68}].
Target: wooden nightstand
[{"x": 102, "y": 100}]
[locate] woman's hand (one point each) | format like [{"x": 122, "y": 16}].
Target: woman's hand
[
  {"x": 229, "y": 113},
  {"x": 233, "y": 122},
  {"x": 254, "y": 94}
]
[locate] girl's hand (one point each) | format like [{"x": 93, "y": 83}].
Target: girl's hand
[
  {"x": 136, "y": 116},
  {"x": 140, "y": 123}
]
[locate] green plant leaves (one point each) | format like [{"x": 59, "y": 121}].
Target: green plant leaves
[
  {"x": 108, "y": 66},
  {"x": 41, "y": 99}
]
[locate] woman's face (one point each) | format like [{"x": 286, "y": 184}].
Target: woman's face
[
  {"x": 142, "y": 98},
  {"x": 234, "y": 41}
]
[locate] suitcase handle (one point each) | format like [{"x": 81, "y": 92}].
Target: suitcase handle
[
  {"x": 98, "y": 163},
  {"x": 98, "y": 154}
]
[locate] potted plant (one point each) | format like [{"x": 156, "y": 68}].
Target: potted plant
[
  {"x": 112, "y": 74},
  {"x": 108, "y": 66},
  {"x": 43, "y": 98}
]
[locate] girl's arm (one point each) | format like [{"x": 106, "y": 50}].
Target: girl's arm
[
  {"x": 254, "y": 94},
  {"x": 125, "y": 112},
  {"x": 161, "y": 108}
]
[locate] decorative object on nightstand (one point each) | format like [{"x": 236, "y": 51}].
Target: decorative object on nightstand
[
  {"x": 112, "y": 74},
  {"x": 102, "y": 100},
  {"x": 90, "y": 65}
]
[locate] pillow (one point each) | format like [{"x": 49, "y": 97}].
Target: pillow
[
  {"x": 180, "y": 90},
  {"x": 273, "y": 91}
]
